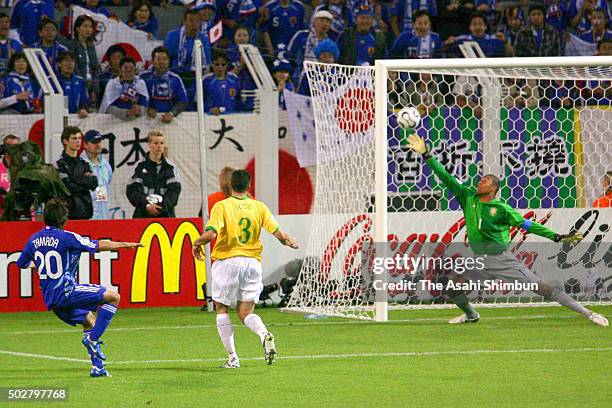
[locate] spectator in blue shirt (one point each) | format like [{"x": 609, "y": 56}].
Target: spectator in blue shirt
[
  {"x": 420, "y": 42},
  {"x": 8, "y": 46},
  {"x": 126, "y": 95},
  {"x": 327, "y": 52},
  {"x": 302, "y": 44},
  {"x": 221, "y": 87},
  {"x": 241, "y": 36},
  {"x": 342, "y": 16},
  {"x": 513, "y": 23},
  {"x": 26, "y": 16},
  {"x": 491, "y": 45},
  {"x": 142, "y": 18},
  {"x": 556, "y": 14},
  {"x": 579, "y": 13},
  {"x": 74, "y": 86},
  {"x": 208, "y": 15},
  {"x": 281, "y": 72},
  {"x": 285, "y": 18},
  {"x": 179, "y": 43},
  {"x": 167, "y": 94},
  {"x": 403, "y": 10},
  {"x": 47, "y": 31},
  {"x": 19, "y": 88},
  {"x": 599, "y": 28},
  {"x": 362, "y": 45}
]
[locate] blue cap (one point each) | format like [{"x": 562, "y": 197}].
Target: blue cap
[
  {"x": 201, "y": 4},
  {"x": 363, "y": 9},
  {"x": 327, "y": 45},
  {"x": 281, "y": 64},
  {"x": 93, "y": 136}
]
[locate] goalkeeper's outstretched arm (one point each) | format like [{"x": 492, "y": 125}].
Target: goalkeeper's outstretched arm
[
  {"x": 417, "y": 144},
  {"x": 515, "y": 219}
]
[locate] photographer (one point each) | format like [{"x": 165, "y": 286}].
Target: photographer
[
  {"x": 156, "y": 184},
  {"x": 5, "y": 164},
  {"x": 76, "y": 175}
]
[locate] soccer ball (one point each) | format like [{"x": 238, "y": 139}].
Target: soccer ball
[{"x": 408, "y": 118}]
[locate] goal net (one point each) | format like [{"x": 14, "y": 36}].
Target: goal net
[{"x": 542, "y": 125}]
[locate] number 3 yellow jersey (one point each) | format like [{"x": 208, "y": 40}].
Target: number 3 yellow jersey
[{"x": 238, "y": 222}]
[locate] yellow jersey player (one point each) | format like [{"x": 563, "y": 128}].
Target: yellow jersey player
[{"x": 236, "y": 223}]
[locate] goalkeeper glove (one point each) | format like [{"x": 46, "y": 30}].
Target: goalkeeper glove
[
  {"x": 569, "y": 238},
  {"x": 417, "y": 144}
]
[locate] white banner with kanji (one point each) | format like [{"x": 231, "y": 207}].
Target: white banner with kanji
[{"x": 229, "y": 142}]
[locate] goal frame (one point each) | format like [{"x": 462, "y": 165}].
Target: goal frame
[{"x": 382, "y": 68}]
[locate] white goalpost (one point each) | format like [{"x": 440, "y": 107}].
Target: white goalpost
[{"x": 544, "y": 125}]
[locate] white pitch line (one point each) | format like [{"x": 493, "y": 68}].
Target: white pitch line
[
  {"x": 311, "y": 323},
  {"x": 44, "y": 356},
  {"x": 368, "y": 355},
  {"x": 321, "y": 356}
]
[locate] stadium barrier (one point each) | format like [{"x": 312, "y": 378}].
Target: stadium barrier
[{"x": 165, "y": 274}]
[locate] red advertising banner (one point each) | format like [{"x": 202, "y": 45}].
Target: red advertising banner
[{"x": 163, "y": 273}]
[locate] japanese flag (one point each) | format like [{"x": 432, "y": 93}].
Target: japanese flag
[
  {"x": 110, "y": 32},
  {"x": 344, "y": 109},
  {"x": 215, "y": 32}
]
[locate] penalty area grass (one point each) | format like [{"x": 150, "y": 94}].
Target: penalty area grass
[{"x": 168, "y": 357}]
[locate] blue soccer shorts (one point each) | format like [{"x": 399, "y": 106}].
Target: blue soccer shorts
[{"x": 84, "y": 298}]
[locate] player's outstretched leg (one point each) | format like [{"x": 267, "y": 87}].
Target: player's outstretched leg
[
  {"x": 257, "y": 326},
  {"x": 226, "y": 333},
  {"x": 97, "y": 365},
  {"x": 110, "y": 303},
  {"x": 460, "y": 299},
  {"x": 566, "y": 300}
]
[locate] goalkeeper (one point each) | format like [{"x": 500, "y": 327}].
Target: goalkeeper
[{"x": 488, "y": 223}]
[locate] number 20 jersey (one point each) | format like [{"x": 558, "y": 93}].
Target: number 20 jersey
[
  {"x": 56, "y": 254},
  {"x": 238, "y": 222}
]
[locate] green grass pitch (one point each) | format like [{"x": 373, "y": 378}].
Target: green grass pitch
[{"x": 168, "y": 357}]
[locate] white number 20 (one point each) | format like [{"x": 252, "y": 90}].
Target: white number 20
[{"x": 43, "y": 263}]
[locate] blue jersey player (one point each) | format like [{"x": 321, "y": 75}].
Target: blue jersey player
[{"x": 56, "y": 253}]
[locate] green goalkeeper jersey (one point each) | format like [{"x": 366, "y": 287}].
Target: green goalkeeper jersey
[{"x": 487, "y": 223}]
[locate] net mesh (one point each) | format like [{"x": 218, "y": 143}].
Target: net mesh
[{"x": 545, "y": 131}]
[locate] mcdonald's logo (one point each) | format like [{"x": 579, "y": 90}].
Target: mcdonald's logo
[{"x": 170, "y": 254}]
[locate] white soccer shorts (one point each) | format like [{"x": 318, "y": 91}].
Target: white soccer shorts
[{"x": 236, "y": 279}]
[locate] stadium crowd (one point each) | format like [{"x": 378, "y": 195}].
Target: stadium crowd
[{"x": 287, "y": 32}]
